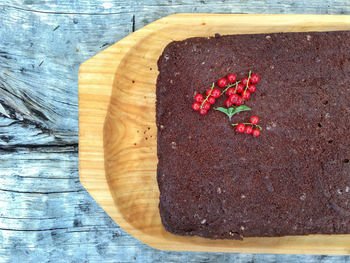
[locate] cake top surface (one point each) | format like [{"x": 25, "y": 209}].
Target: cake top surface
[{"x": 294, "y": 178}]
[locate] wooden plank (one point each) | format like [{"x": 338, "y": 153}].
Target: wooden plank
[
  {"x": 150, "y": 10},
  {"x": 87, "y": 7},
  {"x": 16, "y": 132},
  {"x": 45, "y": 210},
  {"x": 38, "y": 80}
]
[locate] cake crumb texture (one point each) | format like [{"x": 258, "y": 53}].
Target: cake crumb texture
[{"x": 292, "y": 180}]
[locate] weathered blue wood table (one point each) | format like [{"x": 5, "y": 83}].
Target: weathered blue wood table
[{"x": 45, "y": 214}]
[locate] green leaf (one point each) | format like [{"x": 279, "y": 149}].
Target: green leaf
[
  {"x": 240, "y": 108},
  {"x": 224, "y": 110},
  {"x": 232, "y": 110}
]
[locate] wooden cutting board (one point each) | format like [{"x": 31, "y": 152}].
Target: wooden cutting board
[{"x": 117, "y": 131}]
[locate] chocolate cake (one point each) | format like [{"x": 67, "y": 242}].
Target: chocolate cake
[{"x": 294, "y": 179}]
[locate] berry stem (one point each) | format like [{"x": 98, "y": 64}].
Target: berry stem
[
  {"x": 206, "y": 99},
  {"x": 236, "y": 87},
  {"x": 249, "y": 76},
  {"x": 230, "y": 86},
  {"x": 248, "y": 123}
]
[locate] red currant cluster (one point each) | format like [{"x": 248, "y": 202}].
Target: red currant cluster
[
  {"x": 203, "y": 105},
  {"x": 249, "y": 128},
  {"x": 240, "y": 90},
  {"x": 237, "y": 92}
]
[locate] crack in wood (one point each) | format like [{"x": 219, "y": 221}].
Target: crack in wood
[
  {"x": 33, "y": 230},
  {"x": 31, "y": 104},
  {"x": 15, "y": 147},
  {"x": 45, "y": 177},
  {"x": 80, "y": 231},
  {"x": 27, "y": 218},
  {"x": 90, "y": 230},
  {"x": 42, "y": 193},
  {"x": 25, "y": 101},
  {"x": 13, "y": 94},
  {"x": 61, "y": 13},
  {"x": 10, "y": 124},
  {"x": 4, "y": 55}
]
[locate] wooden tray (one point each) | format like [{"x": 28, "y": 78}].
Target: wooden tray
[{"x": 117, "y": 131}]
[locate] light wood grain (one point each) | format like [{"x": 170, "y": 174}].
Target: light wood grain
[{"x": 118, "y": 158}]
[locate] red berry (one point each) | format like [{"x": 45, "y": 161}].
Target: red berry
[
  {"x": 202, "y": 111},
  {"x": 228, "y": 103},
  {"x": 239, "y": 101},
  {"x": 231, "y": 78},
  {"x": 206, "y": 105},
  {"x": 196, "y": 106},
  {"x": 240, "y": 88},
  {"x": 256, "y": 132},
  {"x": 254, "y": 119},
  {"x": 244, "y": 81},
  {"x": 252, "y": 88},
  {"x": 222, "y": 82},
  {"x": 245, "y": 95},
  {"x": 248, "y": 129},
  {"x": 240, "y": 128},
  {"x": 233, "y": 98},
  {"x": 230, "y": 91},
  {"x": 254, "y": 78},
  {"x": 198, "y": 98},
  {"x": 216, "y": 93},
  {"x": 209, "y": 91},
  {"x": 211, "y": 100}
]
